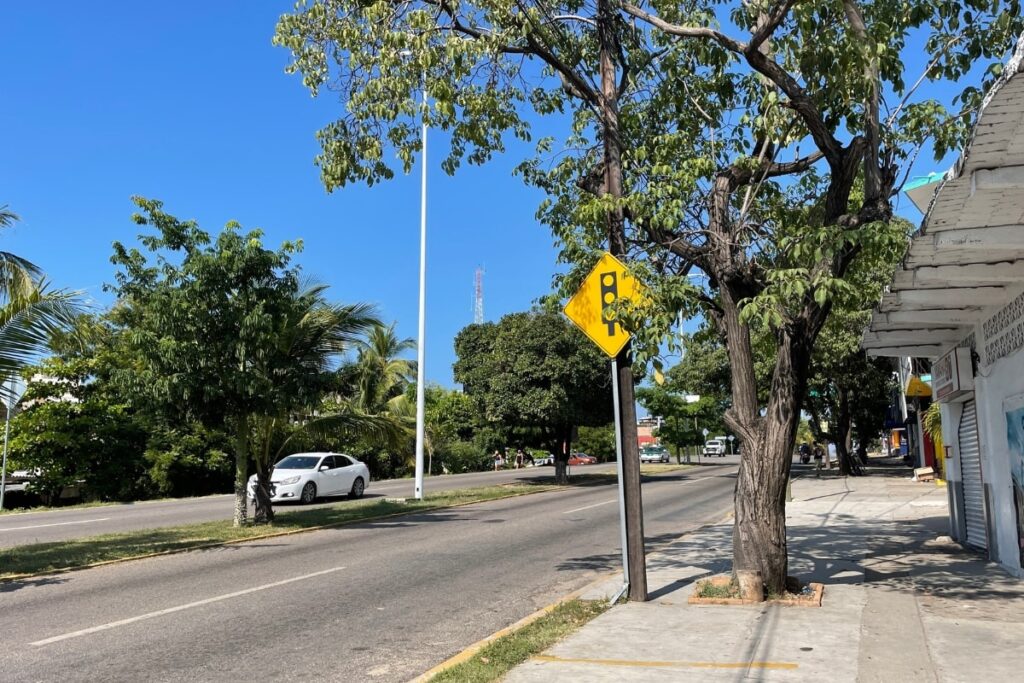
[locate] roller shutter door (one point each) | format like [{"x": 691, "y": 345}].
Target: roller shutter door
[{"x": 970, "y": 471}]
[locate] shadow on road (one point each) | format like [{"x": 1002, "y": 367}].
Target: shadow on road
[{"x": 11, "y": 586}]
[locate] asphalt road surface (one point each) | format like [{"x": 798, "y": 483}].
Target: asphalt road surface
[
  {"x": 60, "y": 525},
  {"x": 378, "y": 601}
]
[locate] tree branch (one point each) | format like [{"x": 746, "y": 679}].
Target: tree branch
[{"x": 683, "y": 31}]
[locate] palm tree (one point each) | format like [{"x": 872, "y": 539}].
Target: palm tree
[
  {"x": 313, "y": 336},
  {"x": 383, "y": 377},
  {"x": 30, "y": 312}
]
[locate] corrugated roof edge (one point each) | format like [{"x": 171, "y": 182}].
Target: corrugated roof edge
[{"x": 1010, "y": 69}]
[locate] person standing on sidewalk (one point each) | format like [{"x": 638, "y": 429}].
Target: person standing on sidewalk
[
  {"x": 519, "y": 458},
  {"x": 819, "y": 453}
]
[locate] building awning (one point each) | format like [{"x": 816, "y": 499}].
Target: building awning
[{"x": 968, "y": 257}]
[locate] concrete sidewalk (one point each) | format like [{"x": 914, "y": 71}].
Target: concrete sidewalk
[{"x": 901, "y": 604}]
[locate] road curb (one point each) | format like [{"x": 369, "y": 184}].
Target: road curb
[
  {"x": 471, "y": 650},
  {"x": 278, "y": 534}
]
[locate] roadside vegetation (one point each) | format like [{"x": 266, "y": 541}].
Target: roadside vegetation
[
  {"x": 500, "y": 656},
  {"x": 220, "y": 357}
]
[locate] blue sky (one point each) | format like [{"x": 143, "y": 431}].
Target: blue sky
[{"x": 188, "y": 102}]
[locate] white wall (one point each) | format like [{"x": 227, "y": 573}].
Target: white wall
[{"x": 994, "y": 384}]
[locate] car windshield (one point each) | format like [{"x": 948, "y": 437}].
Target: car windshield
[{"x": 298, "y": 462}]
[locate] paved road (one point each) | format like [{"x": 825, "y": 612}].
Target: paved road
[
  {"x": 379, "y": 601},
  {"x": 59, "y": 525}
]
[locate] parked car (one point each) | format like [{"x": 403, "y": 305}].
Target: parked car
[
  {"x": 656, "y": 454},
  {"x": 307, "y": 476}
]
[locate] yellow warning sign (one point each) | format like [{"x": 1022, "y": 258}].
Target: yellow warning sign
[{"x": 592, "y": 308}]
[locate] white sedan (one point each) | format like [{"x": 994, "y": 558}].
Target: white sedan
[{"x": 308, "y": 476}]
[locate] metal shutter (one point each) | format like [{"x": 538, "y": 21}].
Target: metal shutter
[{"x": 970, "y": 471}]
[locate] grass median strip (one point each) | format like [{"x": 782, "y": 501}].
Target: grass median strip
[
  {"x": 499, "y": 657},
  {"x": 62, "y": 555}
]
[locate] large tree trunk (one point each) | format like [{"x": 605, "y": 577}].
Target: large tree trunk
[
  {"x": 264, "y": 513},
  {"x": 759, "y": 528},
  {"x": 848, "y": 466},
  {"x": 241, "y": 469},
  {"x": 562, "y": 457}
]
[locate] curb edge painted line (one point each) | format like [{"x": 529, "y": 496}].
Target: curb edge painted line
[
  {"x": 471, "y": 650},
  {"x": 468, "y": 652},
  {"x": 278, "y": 534}
]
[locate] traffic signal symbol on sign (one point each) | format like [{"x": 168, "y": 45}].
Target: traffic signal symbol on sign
[
  {"x": 609, "y": 293},
  {"x": 592, "y": 308}
]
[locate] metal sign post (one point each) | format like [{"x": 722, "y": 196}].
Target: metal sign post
[
  {"x": 593, "y": 309},
  {"x": 622, "y": 490}
]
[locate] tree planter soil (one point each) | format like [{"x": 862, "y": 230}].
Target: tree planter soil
[{"x": 805, "y": 595}]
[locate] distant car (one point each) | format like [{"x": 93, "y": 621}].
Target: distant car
[
  {"x": 307, "y": 476},
  {"x": 715, "y": 446},
  {"x": 581, "y": 459},
  {"x": 654, "y": 455}
]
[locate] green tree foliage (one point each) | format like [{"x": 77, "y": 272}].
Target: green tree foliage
[
  {"x": 189, "y": 459},
  {"x": 451, "y": 424},
  {"x": 703, "y": 372},
  {"x": 204, "y": 318},
  {"x": 849, "y": 391},
  {"x": 722, "y": 138},
  {"x": 597, "y": 441},
  {"x": 77, "y": 435},
  {"x": 535, "y": 371}
]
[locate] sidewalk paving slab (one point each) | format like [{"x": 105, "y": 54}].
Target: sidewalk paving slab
[{"x": 901, "y": 603}]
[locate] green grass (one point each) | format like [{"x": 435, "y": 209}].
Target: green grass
[
  {"x": 707, "y": 589},
  {"x": 49, "y": 557},
  {"x": 96, "y": 504},
  {"x": 499, "y": 657}
]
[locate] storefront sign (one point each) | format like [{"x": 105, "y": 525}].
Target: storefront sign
[{"x": 953, "y": 375}]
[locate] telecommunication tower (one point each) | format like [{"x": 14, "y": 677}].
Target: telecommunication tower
[{"x": 478, "y": 296}]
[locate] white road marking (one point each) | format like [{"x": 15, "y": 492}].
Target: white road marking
[
  {"x": 40, "y": 526},
  {"x": 587, "y": 507},
  {"x": 682, "y": 483},
  {"x": 179, "y": 608}
]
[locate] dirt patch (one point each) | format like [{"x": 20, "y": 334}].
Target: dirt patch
[{"x": 724, "y": 590}]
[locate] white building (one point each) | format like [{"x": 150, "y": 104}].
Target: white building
[{"x": 958, "y": 299}]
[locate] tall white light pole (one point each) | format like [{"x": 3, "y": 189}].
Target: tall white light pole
[{"x": 420, "y": 343}]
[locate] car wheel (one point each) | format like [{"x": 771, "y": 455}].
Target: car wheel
[
  {"x": 308, "y": 492},
  {"x": 358, "y": 486}
]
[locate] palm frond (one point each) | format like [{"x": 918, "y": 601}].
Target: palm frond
[
  {"x": 377, "y": 430},
  {"x": 26, "y": 325},
  {"x": 19, "y": 277}
]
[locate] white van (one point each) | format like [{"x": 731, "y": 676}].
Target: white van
[{"x": 715, "y": 446}]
